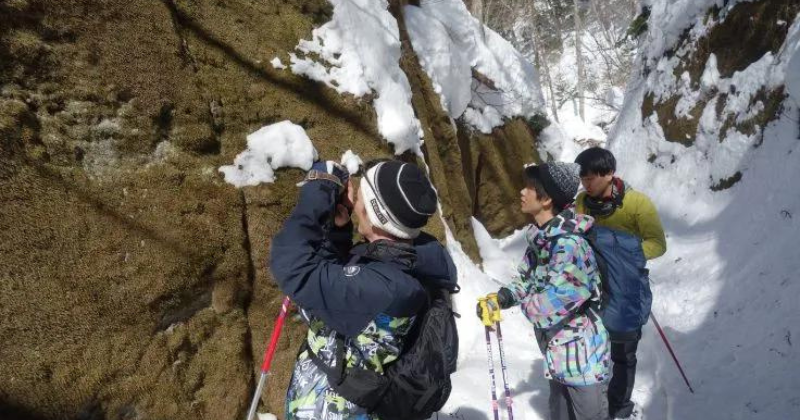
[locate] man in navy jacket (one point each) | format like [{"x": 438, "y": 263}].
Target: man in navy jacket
[{"x": 365, "y": 296}]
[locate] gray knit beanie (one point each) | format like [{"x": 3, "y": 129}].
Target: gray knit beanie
[{"x": 559, "y": 179}]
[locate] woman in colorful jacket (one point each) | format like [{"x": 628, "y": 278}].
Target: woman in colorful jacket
[{"x": 557, "y": 285}]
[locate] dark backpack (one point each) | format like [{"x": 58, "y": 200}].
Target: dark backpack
[
  {"x": 417, "y": 384},
  {"x": 626, "y": 297}
]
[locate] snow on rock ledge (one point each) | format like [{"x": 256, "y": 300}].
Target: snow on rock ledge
[
  {"x": 358, "y": 52},
  {"x": 451, "y": 44}
]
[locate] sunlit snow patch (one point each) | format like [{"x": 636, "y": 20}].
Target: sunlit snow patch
[{"x": 279, "y": 145}]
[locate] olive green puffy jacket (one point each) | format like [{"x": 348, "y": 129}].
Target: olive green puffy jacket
[{"x": 636, "y": 216}]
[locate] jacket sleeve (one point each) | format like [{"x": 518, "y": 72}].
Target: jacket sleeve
[
  {"x": 566, "y": 286},
  {"x": 521, "y": 284},
  {"x": 308, "y": 270},
  {"x": 654, "y": 243},
  {"x": 518, "y": 287}
]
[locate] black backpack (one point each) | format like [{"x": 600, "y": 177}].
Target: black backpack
[{"x": 417, "y": 384}]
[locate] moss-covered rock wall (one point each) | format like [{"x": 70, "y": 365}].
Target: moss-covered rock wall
[{"x": 134, "y": 282}]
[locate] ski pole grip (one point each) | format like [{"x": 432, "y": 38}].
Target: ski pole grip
[
  {"x": 486, "y": 316},
  {"x": 276, "y": 334},
  {"x": 496, "y": 316}
]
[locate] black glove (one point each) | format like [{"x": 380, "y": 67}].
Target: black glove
[{"x": 505, "y": 298}]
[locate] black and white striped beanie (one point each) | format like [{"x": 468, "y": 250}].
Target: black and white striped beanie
[{"x": 398, "y": 198}]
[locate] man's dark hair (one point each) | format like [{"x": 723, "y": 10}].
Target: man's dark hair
[
  {"x": 596, "y": 160},
  {"x": 533, "y": 180}
]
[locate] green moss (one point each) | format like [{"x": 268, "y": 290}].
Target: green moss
[
  {"x": 677, "y": 130},
  {"x": 744, "y": 34},
  {"x": 538, "y": 123},
  {"x": 150, "y": 241}
]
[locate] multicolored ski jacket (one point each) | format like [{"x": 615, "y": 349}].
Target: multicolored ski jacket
[
  {"x": 369, "y": 293},
  {"x": 556, "y": 277}
]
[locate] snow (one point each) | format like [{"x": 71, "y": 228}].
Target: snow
[
  {"x": 484, "y": 120},
  {"x": 277, "y": 63},
  {"x": 267, "y": 416},
  {"x": 600, "y": 109},
  {"x": 499, "y": 255},
  {"x": 446, "y": 60},
  {"x": 450, "y": 43},
  {"x": 358, "y": 52},
  {"x": 351, "y": 161},
  {"x": 793, "y": 65},
  {"x": 564, "y": 141},
  {"x": 278, "y": 145}
]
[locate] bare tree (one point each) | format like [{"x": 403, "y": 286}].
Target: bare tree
[
  {"x": 579, "y": 60},
  {"x": 477, "y": 10},
  {"x": 542, "y": 61}
]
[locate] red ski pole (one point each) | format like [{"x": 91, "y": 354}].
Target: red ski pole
[
  {"x": 666, "y": 342},
  {"x": 268, "y": 353}
]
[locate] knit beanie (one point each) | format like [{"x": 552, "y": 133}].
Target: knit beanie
[
  {"x": 559, "y": 179},
  {"x": 398, "y": 198}
]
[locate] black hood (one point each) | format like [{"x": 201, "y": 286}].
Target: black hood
[{"x": 434, "y": 267}]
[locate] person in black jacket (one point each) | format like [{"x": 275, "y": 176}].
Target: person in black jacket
[{"x": 366, "y": 296}]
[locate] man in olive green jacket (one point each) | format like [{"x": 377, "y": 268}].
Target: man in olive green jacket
[{"x": 615, "y": 205}]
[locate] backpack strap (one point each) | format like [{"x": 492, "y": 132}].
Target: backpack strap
[{"x": 335, "y": 373}]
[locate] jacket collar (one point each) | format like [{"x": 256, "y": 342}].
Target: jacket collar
[{"x": 387, "y": 251}]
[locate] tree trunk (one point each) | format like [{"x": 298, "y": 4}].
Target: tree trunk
[
  {"x": 579, "y": 60},
  {"x": 541, "y": 60},
  {"x": 476, "y": 9},
  {"x": 557, "y": 18}
]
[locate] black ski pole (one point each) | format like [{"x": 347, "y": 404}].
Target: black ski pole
[
  {"x": 487, "y": 322},
  {"x": 496, "y": 317}
]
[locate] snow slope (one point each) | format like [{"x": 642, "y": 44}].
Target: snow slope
[{"x": 727, "y": 287}]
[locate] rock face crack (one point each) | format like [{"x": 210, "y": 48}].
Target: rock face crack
[
  {"x": 251, "y": 278},
  {"x": 183, "y": 304},
  {"x": 212, "y": 144},
  {"x": 183, "y": 46}
]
